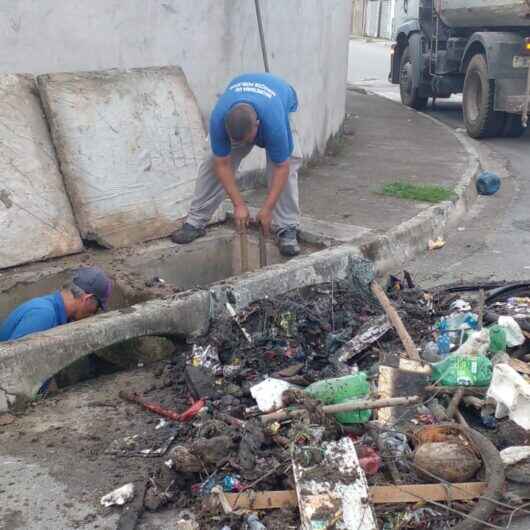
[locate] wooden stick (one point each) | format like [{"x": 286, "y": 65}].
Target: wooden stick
[
  {"x": 481, "y": 302},
  {"x": 243, "y": 243},
  {"x": 397, "y": 323},
  {"x": 364, "y": 404},
  {"x": 262, "y": 248}
]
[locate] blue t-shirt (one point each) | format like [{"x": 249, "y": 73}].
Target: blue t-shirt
[
  {"x": 38, "y": 314},
  {"x": 273, "y": 99}
]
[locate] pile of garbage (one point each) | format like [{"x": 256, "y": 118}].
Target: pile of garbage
[{"x": 330, "y": 407}]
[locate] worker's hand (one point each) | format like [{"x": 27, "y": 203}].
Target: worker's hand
[
  {"x": 264, "y": 218},
  {"x": 241, "y": 217}
]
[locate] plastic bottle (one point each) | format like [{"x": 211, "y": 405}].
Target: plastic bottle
[
  {"x": 431, "y": 352},
  {"x": 488, "y": 183},
  {"x": 463, "y": 370},
  {"x": 340, "y": 390},
  {"x": 497, "y": 339},
  {"x": 443, "y": 343}
]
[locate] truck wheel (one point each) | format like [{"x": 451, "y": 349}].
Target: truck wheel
[
  {"x": 480, "y": 117},
  {"x": 409, "y": 92},
  {"x": 513, "y": 126}
]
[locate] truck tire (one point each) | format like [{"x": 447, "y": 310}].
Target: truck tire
[
  {"x": 480, "y": 117},
  {"x": 513, "y": 126},
  {"x": 409, "y": 92}
]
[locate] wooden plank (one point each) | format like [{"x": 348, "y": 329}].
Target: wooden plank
[
  {"x": 432, "y": 492},
  {"x": 338, "y": 502},
  {"x": 409, "y": 365},
  {"x": 411, "y": 493},
  {"x": 385, "y": 390},
  {"x": 262, "y": 500},
  {"x": 520, "y": 366}
]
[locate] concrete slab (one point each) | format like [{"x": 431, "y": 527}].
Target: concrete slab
[
  {"x": 36, "y": 218},
  {"x": 129, "y": 142}
]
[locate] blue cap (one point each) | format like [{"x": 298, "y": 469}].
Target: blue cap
[{"x": 94, "y": 281}]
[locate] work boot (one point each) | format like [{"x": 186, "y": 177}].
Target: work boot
[
  {"x": 288, "y": 242},
  {"x": 187, "y": 234}
]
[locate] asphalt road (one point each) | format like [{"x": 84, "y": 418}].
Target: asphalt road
[{"x": 493, "y": 240}]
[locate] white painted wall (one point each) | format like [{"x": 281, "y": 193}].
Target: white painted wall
[{"x": 212, "y": 40}]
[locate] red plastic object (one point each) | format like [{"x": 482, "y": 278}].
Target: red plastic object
[
  {"x": 156, "y": 408},
  {"x": 369, "y": 459}
]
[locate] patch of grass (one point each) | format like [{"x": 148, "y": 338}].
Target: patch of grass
[{"x": 417, "y": 192}]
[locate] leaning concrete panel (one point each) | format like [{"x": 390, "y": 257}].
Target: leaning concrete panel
[
  {"x": 129, "y": 142},
  {"x": 36, "y": 220}
]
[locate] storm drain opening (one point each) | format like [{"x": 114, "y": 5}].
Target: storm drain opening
[
  {"x": 210, "y": 259},
  {"x": 155, "y": 270}
]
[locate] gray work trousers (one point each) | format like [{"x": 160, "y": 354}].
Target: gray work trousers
[{"x": 209, "y": 192}]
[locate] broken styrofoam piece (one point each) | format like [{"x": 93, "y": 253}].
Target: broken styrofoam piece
[
  {"x": 342, "y": 501},
  {"x": 119, "y": 496},
  {"x": 269, "y": 393},
  {"x": 514, "y": 455},
  {"x": 512, "y": 394},
  {"x": 514, "y": 334}
]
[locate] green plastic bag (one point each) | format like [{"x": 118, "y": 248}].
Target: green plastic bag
[{"x": 463, "y": 370}]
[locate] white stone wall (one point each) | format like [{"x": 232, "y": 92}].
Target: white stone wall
[{"x": 212, "y": 40}]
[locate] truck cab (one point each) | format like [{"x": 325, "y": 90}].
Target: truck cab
[{"x": 470, "y": 47}]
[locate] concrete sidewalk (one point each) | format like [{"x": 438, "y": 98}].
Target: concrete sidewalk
[{"x": 384, "y": 142}]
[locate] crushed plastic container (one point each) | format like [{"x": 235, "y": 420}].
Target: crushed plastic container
[
  {"x": 341, "y": 390},
  {"x": 463, "y": 370},
  {"x": 443, "y": 344}
]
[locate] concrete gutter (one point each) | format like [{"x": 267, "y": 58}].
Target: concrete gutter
[{"x": 26, "y": 363}]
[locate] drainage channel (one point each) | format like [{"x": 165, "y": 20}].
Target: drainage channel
[{"x": 156, "y": 270}]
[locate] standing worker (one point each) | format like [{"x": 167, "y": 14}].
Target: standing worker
[{"x": 254, "y": 110}]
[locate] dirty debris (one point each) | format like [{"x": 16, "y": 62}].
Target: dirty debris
[
  {"x": 341, "y": 405},
  {"x": 436, "y": 244},
  {"x": 348, "y": 406}
]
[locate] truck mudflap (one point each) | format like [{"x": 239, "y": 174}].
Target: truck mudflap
[{"x": 513, "y": 96}]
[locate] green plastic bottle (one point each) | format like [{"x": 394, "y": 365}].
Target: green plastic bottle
[
  {"x": 463, "y": 370},
  {"x": 497, "y": 338},
  {"x": 340, "y": 390}
]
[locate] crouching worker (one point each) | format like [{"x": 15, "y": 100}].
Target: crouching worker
[
  {"x": 87, "y": 293},
  {"x": 254, "y": 110}
]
